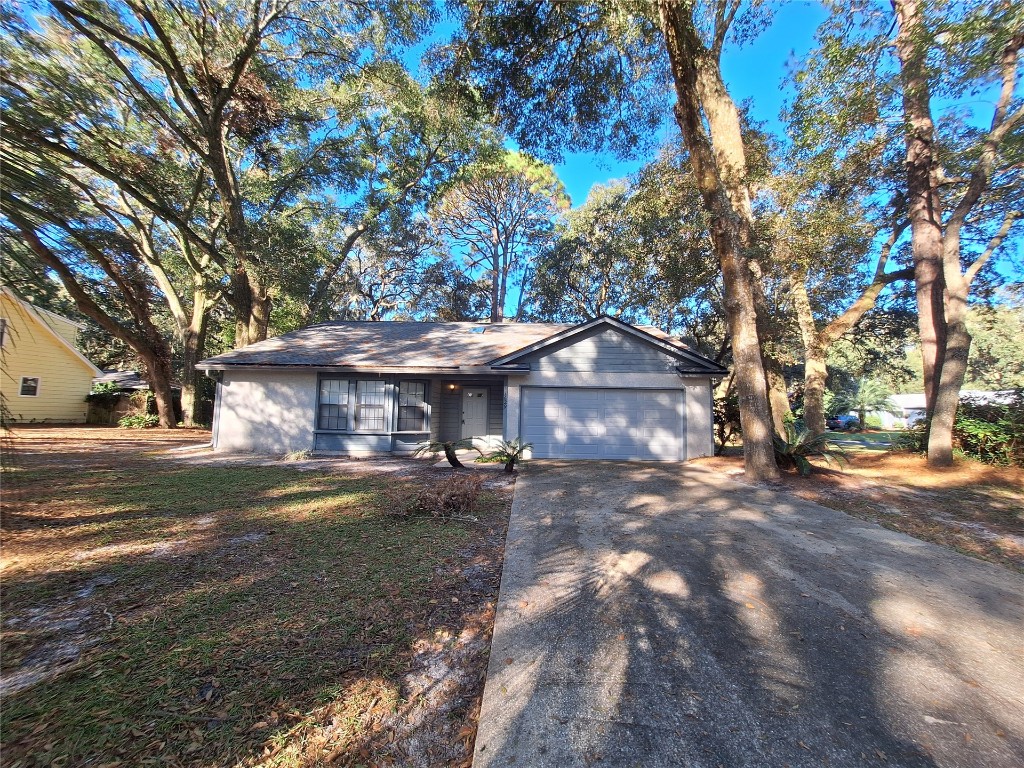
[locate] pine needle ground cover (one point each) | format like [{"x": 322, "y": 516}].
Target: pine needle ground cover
[
  {"x": 974, "y": 508},
  {"x": 159, "y": 612}
]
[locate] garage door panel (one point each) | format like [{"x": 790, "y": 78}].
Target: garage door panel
[{"x": 603, "y": 423}]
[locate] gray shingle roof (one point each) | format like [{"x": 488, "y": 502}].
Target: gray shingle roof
[
  {"x": 373, "y": 345},
  {"x": 389, "y": 344}
]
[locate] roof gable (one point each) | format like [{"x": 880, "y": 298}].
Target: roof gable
[
  {"x": 688, "y": 360},
  {"x": 34, "y": 315}
]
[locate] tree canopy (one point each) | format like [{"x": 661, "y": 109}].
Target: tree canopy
[{"x": 217, "y": 172}]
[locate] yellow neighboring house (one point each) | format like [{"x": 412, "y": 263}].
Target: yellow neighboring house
[{"x": 43, "y": 376}]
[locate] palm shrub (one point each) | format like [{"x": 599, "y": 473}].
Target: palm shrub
[
  {"x": 448, "y": 448},
  {"x": 509, "y": 452},
  {"x": 800, "y": 445},
  {"x": 868, "y": 395}
]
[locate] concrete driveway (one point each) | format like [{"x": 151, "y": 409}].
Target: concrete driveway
[{"x": 664, "y": 615}]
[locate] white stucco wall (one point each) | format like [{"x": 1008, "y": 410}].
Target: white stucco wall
[
  {"x": 699, "y": 420},
  {"x": 265, "y": 412}
]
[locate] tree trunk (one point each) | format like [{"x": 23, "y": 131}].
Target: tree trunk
[
  {"x": 815, "y": 377},
  {"x": 158, "y": 374},
  {"x": 954, "y": 364},
  {"x": 778, "y": 395},
  {"x": 250, "y": 303},
  {"x": 149, "y": 345},
  {"x": 495, "y": 279},
  {"x": 719, "y": 168},
  {"x": 924, "y": 205},
  {"x": 815, "y": 369},
  {"x": 954, "y": 368},
  {"x": 194, "y": 345},
  {"x": 775, "y": 380},
  {"x": 453, "y": 459}
]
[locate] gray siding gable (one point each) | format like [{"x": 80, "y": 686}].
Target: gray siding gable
[{"x": 606, "y": 350}]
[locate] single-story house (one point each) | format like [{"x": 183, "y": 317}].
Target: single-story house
[
  {"x": 602, "y": 389},
  {"x": 44, "y": 377},
  {"x": 912, "y": 406}
]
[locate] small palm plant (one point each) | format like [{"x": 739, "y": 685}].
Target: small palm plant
[
  {"x": 509, "y": 452},
  {"x": 800, "y": 445},
  {"x": 448, "y": 448},
  {"x": 868, "y": 396}
]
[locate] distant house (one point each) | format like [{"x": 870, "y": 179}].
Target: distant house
[
  {"x": 912, "y": 406},
  {"x": 43, "y": 375},
  {"x": 603, "y": 389},
  {"x": 130, "y": 386}
]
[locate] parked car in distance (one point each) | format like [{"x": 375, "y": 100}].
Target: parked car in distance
[{"x": 845, "y": 422}]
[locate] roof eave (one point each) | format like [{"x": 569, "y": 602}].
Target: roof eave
[{"x": 451, "y": 370}]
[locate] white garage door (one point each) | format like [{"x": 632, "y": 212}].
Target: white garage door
[{"x": 604, "y": 423}]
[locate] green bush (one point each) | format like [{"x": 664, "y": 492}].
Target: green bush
[
  {"x": 911, "y": 440},
  {"x": 105, "y": 395},
  {"x": 509, "y": 452},
  {"x": 873, "y": 422},
  {"x": 800, "y": 445},
  {"x": 138, "y": 421},
  {"x": 992, "y": 432}
]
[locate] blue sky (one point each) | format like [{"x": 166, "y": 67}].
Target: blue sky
[{"x": 756, "y": 71}]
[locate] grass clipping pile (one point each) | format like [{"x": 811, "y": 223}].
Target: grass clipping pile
[{"x": 453, "y": 498}]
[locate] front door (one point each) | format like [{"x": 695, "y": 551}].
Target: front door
[{"x": 474, "y": 412}]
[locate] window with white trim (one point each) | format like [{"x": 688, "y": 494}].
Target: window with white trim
[
  {"x": 412, "y": 406},
  {"x": 334, "y": 400},
  {"x": 29, "y": 386},
  {"x": 370, "y": 395}
]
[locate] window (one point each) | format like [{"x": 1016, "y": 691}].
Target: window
[
  {"x": 412, "y": 407},
  {"x": 370, "y": 406},
  {"x": 3, "y": 331},
  {"x": 29, "y": 386},
  {"x": 333, "y": 404}
]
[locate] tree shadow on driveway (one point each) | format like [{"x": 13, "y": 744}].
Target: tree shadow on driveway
[{"x": 662, "y": 615}]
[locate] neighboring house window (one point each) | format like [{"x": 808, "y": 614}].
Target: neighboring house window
[
  {"x": 412, "y": 406},
  {"x": 333, "y": 404},
  {"x": 29, "y": 386},
  {"x": 370, "y": 405},
  {"x": 3, "y": 331}
]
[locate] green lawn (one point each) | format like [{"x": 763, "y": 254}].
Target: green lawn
[
  {"x": 233, "y": 612},
  {"x": 874, "y": 440}
]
